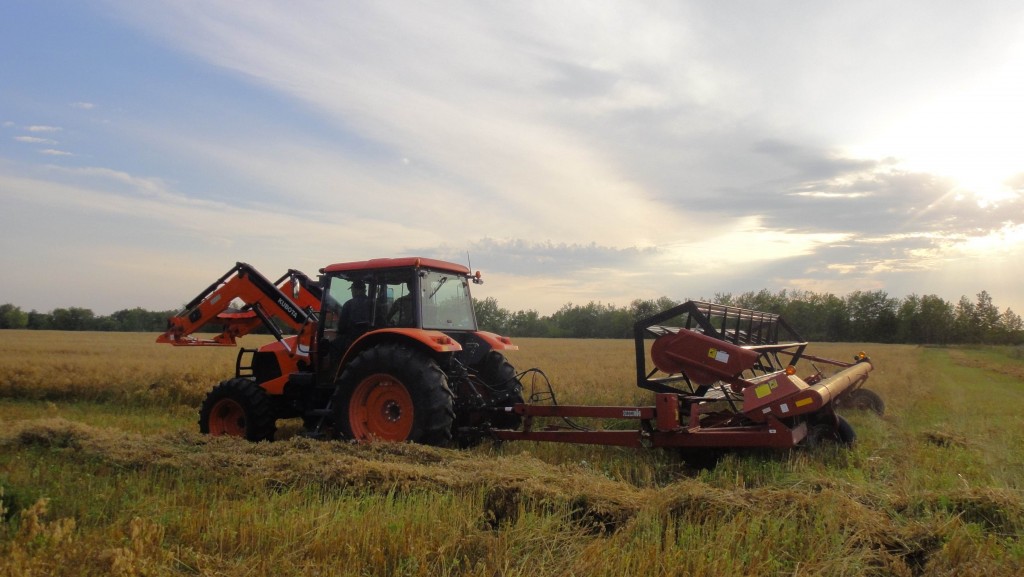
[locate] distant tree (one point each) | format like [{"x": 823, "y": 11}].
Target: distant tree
[
  {"x": 139, "y": 320},
  {"x": 936, "y": 318},
  {"x": 665, "y": 303},
  {"x": 12, "y": 317},
  {"x": 616, "y": 323},
  {"x": 72, "y": 319},
  {"x": 986, "y": 314},
  {"x": 764, "y": 301},
  {"x": 573, "y": 321},
  {"x": 38, "y": 320},
  {"x": 816, "y": 317},
  {"x": 527, "y": 324},
  {"x": 591, "y": 321},
  {"x": 908, "y": 317},
  {"x": 965, "y": 322},
  {"x": 1010, "y": 321},
  {"x": 641, "y": 309},
  {"x": 723, "y": 299},
  {"x": 490, "y": 316},
  {"x": 872, "y": 316},
  {"x": 837, "y": 317},
  {"x": 1010, "y": 328}
]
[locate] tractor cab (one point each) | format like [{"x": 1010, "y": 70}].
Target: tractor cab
[
  {"x": 425, "y": 300},
  {"x": 396, "y": 293}
]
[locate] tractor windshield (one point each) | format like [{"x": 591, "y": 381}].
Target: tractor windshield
[{"x": 446, "y": 302}]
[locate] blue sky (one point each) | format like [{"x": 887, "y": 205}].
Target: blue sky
[{"x": 576, "y": 151}]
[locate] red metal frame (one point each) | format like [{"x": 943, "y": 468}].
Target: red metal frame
[
  {"x": 761, "y": 402},
  {"x": 660, "y": 426}
]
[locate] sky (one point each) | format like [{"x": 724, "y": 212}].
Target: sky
[{"x": 572, "y": 151}]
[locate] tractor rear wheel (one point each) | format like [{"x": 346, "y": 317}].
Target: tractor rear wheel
[
  {"x": 238, "y": 408},
  {"x": 490, "y": 387},
  {"x": 504, "y": 389},
  {"x": 393, "y": 393}
]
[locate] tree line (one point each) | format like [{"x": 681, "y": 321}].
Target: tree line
[
  {"x": 861, "y": 316},
  {"x": 82, "y": 319}
]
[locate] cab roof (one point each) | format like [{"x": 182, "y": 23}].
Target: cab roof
[{"x": 405, "y": 262}]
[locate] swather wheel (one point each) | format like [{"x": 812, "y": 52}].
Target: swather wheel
[
  {"x": 701, "y": 459},
  {"x": 845, "y": 432},
  {"x": 238, "y": 408},
  {"x": 827, "y": 430},
  {"x": 393, "y": 393},
  {"x": 862, "y": 400}
]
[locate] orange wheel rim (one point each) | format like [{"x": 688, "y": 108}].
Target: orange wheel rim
[
  {"x": 381, "y": 409},
  {"x": 227, "y": 417}
]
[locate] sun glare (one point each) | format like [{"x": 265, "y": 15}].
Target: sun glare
[
  {"x": 970, "y": 135},
  {"x": 999, "y": 242}
]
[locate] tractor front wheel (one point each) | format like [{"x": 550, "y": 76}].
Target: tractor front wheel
[
  {"x": 393, "y": 393},
  {"x": 238, "y": 408}
]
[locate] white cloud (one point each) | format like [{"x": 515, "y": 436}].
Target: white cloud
[
  {"x": 582, "y": 149},
  {"x": 485, "y": 133},
  {"x": 55, "y": 152},
  {"x": 34, "y": 140}
]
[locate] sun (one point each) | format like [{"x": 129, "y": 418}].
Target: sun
[{"x": 969, "y": 134}]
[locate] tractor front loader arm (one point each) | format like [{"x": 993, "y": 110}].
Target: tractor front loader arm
[
  {"x": 263, "y": 301},
  {"x": 306, "y": 293}
]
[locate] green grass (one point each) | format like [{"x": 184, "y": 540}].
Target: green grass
[
  {"x": 135, "y": 419},
  {"x": 931, "y": 488}
]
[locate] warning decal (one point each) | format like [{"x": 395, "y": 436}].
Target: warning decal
[{"x": 720, "y": 356}]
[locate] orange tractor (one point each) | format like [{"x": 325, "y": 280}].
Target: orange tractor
[
  {"x": 383, "y": 349},
  {"x": 388, "y": 349}
]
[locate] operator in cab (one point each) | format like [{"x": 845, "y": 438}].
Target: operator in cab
[{"x": 355, "y": 313}]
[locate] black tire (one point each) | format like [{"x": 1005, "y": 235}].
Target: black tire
[
  {"x": 844, "y": 432},
  {"x": 700, "y": 459},
  {"x": 834, "y": 429},
  {"x": 394, "y": 393},
  {"x": 862, "y": 400},
  {"x": 503, "y": 388},
  {"x": 239, "y": 408}
]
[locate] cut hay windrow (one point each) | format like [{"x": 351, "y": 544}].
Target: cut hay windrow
[{"x": 895, "y": 534}]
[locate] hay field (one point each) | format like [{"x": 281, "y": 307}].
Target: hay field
[{"x": 103, "y": 473}]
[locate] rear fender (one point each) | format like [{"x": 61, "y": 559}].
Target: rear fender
[
  {"x": 496, "y": 341},
  {"x": 434, "y": 342}
]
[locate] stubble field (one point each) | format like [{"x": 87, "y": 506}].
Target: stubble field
[{"x": 103, "y": 472}]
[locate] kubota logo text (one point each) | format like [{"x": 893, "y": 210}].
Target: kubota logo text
[{"x": 288, "y": 308}]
